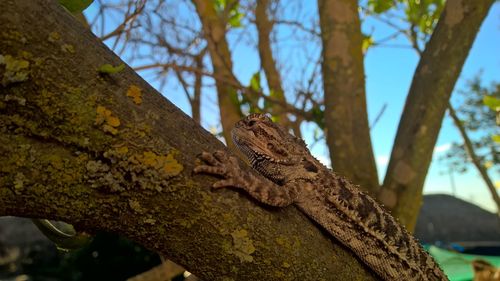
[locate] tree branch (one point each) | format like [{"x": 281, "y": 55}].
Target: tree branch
[
  {"x": 214, "y": 31},
  {"x": 430, "y": 91},
  {"x": 264, "y": 28},
  {"x": 346, "y": 117},
  {"x": 469, "y": 148},
  {"x": 75, "y": 147}
]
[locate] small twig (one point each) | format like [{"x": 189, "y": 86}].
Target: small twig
[
  {"x": 128, "y": 20},
  {"x": 379, "y": 115}
]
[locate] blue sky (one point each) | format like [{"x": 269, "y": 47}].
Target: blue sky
[{"x": 388, "y": 70}]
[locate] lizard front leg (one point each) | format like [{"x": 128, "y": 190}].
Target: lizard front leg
[{"x": 260, "y": 188}]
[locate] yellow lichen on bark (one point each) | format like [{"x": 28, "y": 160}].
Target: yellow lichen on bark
[
  {"x": 16, "y": 70},
  {"x": 135, "y": 93},
  {"x": 243, "y": 246},
  {"x": 108, "y": 122},
  {"x": 163, "y": 163}
]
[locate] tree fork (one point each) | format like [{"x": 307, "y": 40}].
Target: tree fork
[{"x": 427, "y": 101}]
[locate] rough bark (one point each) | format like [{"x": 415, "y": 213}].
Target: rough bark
[
  {"x": 264, "y": 28},
  {"x": 430, "y": 90},
  {"x": 78, "y": 146},
  {"x": 214, "y": 30},
  {"x": 469, "y": 148},
  {"x": 82, "y": 19},
  {"x": 346, "y": 117}
]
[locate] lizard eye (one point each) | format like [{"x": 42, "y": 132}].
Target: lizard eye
[{"x": 251, "y": 123}]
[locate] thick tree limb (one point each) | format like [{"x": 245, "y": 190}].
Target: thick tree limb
[
  {"x": 346, "y": 117},
  {"x": 430, "y": 91},
  {"x": 91, "y": 149},
  {"x": 214, "y": 31}
]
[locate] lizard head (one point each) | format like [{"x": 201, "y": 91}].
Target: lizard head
[{"x": 272, "y": 151}]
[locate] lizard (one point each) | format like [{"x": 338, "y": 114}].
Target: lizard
[
  {"x": 485, "y": 271},
  {"x": 289, "y": 174}
]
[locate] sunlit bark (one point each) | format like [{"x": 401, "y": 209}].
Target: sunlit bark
[
  {"x": 214, "y": 30},
  {"x": 346, "y": 117}
]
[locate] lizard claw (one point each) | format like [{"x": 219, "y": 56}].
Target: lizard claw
[
  {"x": 224, "y": 183},
  {"x": 206, "y": 169},
  {"x": 219, "y": 164},
  {"x": 221, "y": 156},
  {"x": 208, "y": 158},
  {"x": 215, "y": 164}
]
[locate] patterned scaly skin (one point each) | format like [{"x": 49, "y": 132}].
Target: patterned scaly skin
[{"x": 291, "y": 175}]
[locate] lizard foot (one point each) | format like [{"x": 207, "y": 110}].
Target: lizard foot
[{"x": 222, "y": 165}]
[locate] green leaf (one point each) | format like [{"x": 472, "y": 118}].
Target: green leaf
[
  {"x": 234, "y": 15},
  {"x": 380, "y": 6},
  {"x": 219, "y": 5},
  {"x": 235, "y": 19},
  {"x": 109, "y": 69},
  {"x": 367, "y": 42},
  {"x": 75, "y": 6},
  {"x": 423, "y": 14},
  {"x": 233, "y": 96},
  {"x": 491, "y": 102},
  {"x": 318, "y": 117},
  {"x": 255, "y": 82},
  {"x": 496, "y": 138}
]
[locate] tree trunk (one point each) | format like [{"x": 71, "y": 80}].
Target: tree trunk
[
  {"x": 346, "y": 119},
  {"x": 469, "y": 148},
  {"x": 430, "y": 91},
  {"x": 105, "y": 151},
  {"x": 264, "y": 28},
  {"x": 214, "y": 31}
]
